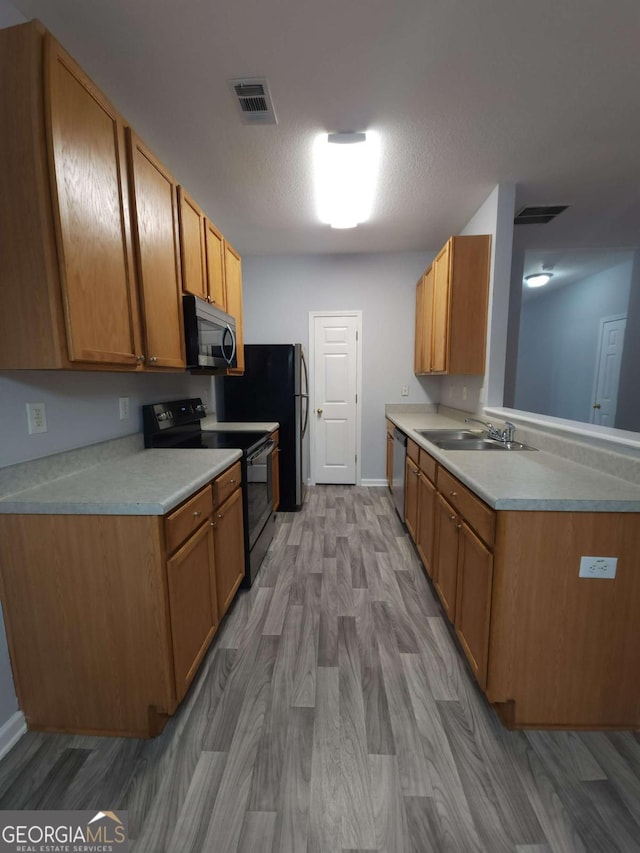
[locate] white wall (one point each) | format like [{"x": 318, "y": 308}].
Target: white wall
[
  {"x": 495, "y": 217},
  {"x": 279, "y": 292}
]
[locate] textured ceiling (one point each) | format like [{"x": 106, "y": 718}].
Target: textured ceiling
[{"x": 464, "y": 95}]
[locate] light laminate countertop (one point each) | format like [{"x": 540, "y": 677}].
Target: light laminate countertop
[
  {"x": 523, "y": 480},
  {"x": 146, "y": 482}
]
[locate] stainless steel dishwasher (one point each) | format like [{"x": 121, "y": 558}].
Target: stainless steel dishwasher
[{"x": 399, "y": 468}]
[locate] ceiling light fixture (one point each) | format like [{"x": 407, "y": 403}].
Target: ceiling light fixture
[
  {"x": 346, "y": 166},
  {"x": 538, "y": 279}
]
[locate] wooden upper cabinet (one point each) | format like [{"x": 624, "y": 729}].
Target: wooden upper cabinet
[
  {"x": 440, "y": 310},
  {"x": 451, "y": 308},
  {"x": 233, "y": 281},
  {"x": 192, "y": 246},
  {"x": 155, "y": 230},
  {"x": 91, "y": 214},
  {"x": 215, "y": 265}
]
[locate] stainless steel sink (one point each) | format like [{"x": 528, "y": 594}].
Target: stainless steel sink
[
  {"x": 434, "y": 435},
  {"x": 460, "y": 439}
]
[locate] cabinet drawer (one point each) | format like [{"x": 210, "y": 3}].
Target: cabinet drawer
[
  {"x": 479, "y": 516},
  {"x": 413, "y": 451},
  {"x": 427, "y": 465},
  {"x": 187, "y": 518},
  {"x": 225, "y": 484}
]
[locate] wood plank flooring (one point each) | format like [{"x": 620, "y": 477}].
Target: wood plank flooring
[{"x": 334, "y": 712}]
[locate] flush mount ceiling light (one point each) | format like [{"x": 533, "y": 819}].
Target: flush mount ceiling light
[
  {"x": 538, "y": 279},
  {"x": 346, "y": 167}
]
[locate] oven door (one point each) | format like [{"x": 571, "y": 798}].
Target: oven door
[{"x": 259, "y": 485}]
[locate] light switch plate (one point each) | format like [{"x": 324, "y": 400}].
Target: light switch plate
[{"x": 598, "y": 567}]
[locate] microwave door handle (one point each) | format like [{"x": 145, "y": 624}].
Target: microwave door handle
[{"x": 233, "y": 342}]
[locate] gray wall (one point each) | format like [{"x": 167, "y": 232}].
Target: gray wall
[
  {"x": 279, "y": 292},
  {"x": 558, "y": 343}
]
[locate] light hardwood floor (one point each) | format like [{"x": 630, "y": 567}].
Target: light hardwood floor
[{"x": 334, "y": 712}]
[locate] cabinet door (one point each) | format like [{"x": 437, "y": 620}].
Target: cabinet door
[
  {"x": 155, "y": 226},
  {"x": 411, "y": 497},
  {"x": 440, "y": 329},
  {"x": 91, "y": 215},
  {"x": 215, "y": 265},
  {"x": 424, "y": 323},
  {"x": 445, "y": 555},
  {"x": 192, "y": 246},
  {"x": 426, "y": 528},
  {"x": 229, "y": 548},
  {"x": 473, "y": 601},
  {"x": 233, "y": 282},
  {"x": 193, "y": 604}
]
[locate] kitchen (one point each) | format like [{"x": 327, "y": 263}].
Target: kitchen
[{"x": 79, "y": 410}]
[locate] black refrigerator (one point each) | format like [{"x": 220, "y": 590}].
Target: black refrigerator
[{"x": 275, "y": 387}]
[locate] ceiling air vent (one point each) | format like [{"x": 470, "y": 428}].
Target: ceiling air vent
[
  {"x": 254, "y": 99},
  {"x": 539, "y": 215}
]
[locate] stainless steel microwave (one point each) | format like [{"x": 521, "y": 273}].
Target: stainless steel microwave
[{"x": 210, "y": 335}]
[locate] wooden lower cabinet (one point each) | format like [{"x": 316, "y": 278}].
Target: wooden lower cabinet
[
  {"x": 389, "y": 465},
  {"x": 445, "y": 555},
  {"x": 550, "y": 649},
  {"x": 229, "y": 549},
  {"x": 425, "y": 532},
  {"x": 193, "y": 604},
  {"x": 473, "y": 600},
  {"x": 411, "y": 497},
  {"x": 108, "y": 616}
]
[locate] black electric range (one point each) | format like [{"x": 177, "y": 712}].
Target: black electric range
[{"x": 176, "y": 424}]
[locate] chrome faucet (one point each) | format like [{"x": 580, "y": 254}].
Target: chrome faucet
[{"x": 505, "y": 435}]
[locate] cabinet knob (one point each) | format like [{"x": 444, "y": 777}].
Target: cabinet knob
[
  {"x": 197, "y": 514},
  {"x": 452, "y": 518},
  {"x": 140, "y": 358},
  {"x": 415, "y": 471},
  {"x": 232, "y": 482},
  {"x": 153, "y": 359},
  {"x": 220, "y": 515},
  {"x": 213, "y": 524},
  {"x": 453, "y": 494},
  {"x": 458, "y": 526}
]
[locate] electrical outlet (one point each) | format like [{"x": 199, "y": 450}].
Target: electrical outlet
[
  {"x": 124, "y": 408},
  {"x": 404, "y": 391},
  {"x": 464, "y": 392},
  {"x": 598, "y": 567},
  {"x": 36, "y": 418}
]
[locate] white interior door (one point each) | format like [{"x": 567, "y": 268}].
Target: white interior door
[
  {"x": 334, "y": 408},
  {"x": 607, "y": 378}
]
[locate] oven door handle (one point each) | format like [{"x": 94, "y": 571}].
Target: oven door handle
[{"x": 264, "y": 450}]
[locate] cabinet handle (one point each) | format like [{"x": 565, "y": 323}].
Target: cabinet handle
[{"x": 197, "y": 514}]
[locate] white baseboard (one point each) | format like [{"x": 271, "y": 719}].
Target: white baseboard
[
  {"x": 374, "y": 482},
  {"x": 11, "y": 732}
]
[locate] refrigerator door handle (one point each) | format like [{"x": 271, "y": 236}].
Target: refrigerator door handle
[
  {"x": 305, "y": 391},
  {"x": 306, "y": 414}
]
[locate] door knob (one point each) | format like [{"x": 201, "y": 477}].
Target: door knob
[
  {"x": 319, "y": 411},
  {"x": 596, "y": 406}
]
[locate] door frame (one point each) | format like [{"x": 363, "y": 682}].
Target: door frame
[
  {"x": 603, "y": 320},
  {"x": 312, "y": 365}
]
